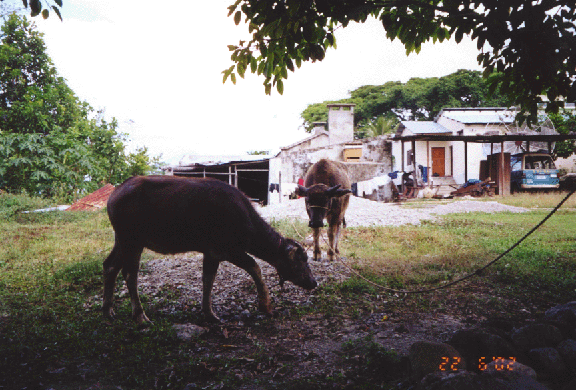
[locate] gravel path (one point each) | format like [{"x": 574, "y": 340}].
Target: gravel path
[{"x": 363, "y": 212}]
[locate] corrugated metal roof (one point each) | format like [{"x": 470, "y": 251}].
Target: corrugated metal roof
[
  {"x": 425, "y": 127},
  {"x": 94, "y": 201},
  {"x": 483, "y": 116},
  {"x": 219, "y": 160}
]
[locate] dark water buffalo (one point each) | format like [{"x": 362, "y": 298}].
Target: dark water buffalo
[
  {"x": 169, "y": 214},
  {"x": 327, "y": 192}
]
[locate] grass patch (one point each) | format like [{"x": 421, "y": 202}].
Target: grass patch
[
  {"x": 538, "y": 199},
  {"x": 52, "y": 332},
  {"x": 424, "y": 256},
  {"x": 291, "y": 228}
]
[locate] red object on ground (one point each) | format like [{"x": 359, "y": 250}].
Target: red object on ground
[{"x": 94, "y": 201}]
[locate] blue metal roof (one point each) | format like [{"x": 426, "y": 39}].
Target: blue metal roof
[
  {"x": 483, "y": 116},
  {"x": 425, "y": 127}
]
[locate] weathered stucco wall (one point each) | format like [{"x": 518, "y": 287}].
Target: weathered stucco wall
[
  {"x": 376, "y": 160},
  {"x": 378, "y": 149},
  {"x": 361, "y": 171},
  {"x": 295, "y": 163}
]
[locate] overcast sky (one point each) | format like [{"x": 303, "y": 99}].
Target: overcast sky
[{"x": 156, "y": 67}]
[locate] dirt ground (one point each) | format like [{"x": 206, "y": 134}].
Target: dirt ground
[{"x": 315, "y": 345}]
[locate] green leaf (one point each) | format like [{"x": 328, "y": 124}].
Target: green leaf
[
  {"x": 237, "y": 17},
  {"x": 459, "y": 35},
  {"x": 330, "y": 39},
  {"x": 35, "y": 7},
  {"x": 233, "y": 7},
  {"x": 280, "y": 87},
  {"x": 290, "y": 65},
  {"x": 45, "y": 13},
  {"x": 57, "y": 13},
  {"x": 241, "y": 69}
]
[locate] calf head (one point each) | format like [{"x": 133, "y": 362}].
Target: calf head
[
  {"x": 318, "y": 201},
  {"x": 293, "y": 265}
]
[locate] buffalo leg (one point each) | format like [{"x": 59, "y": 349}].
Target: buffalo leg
[
  {"x": 209, "y": 269},
  {"x": 316, "y": 236},
  {"x": 248, "y": 264}
]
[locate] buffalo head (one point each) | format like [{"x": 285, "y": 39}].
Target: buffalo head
[
  {"x": 318, "y": 201},
  {"x": 293, "y": 265}
]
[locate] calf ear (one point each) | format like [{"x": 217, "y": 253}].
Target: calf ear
[
  {"x": 342, "y": 193},
  {"x": 337, "y": 192},
  {"x": 302, "y": 191},
  {"x": 292, "y": 248}
]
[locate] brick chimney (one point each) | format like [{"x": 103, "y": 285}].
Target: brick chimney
[{"x": 341, "y": 123}]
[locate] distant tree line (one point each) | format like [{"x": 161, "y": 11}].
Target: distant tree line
[
  {"x": 379, "y": 108},
  {"x": 51, "y": 142}
]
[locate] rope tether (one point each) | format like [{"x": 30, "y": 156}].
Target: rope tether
[{"x": 477, "y": 272}]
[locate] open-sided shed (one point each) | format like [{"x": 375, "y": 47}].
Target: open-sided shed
[{"x": 250, "y": 174}]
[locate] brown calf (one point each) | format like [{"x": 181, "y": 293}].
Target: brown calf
[
  {"x": 169, "y": 214},
  {"x": 327, "y": 192}
]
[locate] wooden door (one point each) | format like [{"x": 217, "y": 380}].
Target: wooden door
[{"x": 438, "y": 161}]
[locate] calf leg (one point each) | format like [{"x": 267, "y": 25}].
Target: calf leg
[
  {"x": 209, "y": 269},
  {"x": 126, "y": 259},
  {"x": 316, "y": 236},
  {"x": 112, "y": 266},
  {"x": 130, "y": 274},
  {"x": 248, "y": 264},
  {"x": 333, "y": 238}
]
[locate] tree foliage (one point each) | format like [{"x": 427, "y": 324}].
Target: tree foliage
[
  {"x": 33, "y": 98},
  {"x": 527, "y": 48},
  {"x": 417, "y": 99},
  {"x": 51, "y": 142},
  {"x": 39, "y": 7},
  {"x": 564, "y": 123}
]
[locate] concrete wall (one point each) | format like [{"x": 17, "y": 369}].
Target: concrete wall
[
  {"x": 475, "y": 154},
  {"x": 275, "y": 168},
  {"x": 295, "y": 162},
  {"x": 378, "y": 149},
  {"x": 361, "y": 171},
  {"x": 376, "y": 160}
]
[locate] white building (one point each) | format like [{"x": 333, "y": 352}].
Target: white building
[{"x": 439, "y": 157}]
